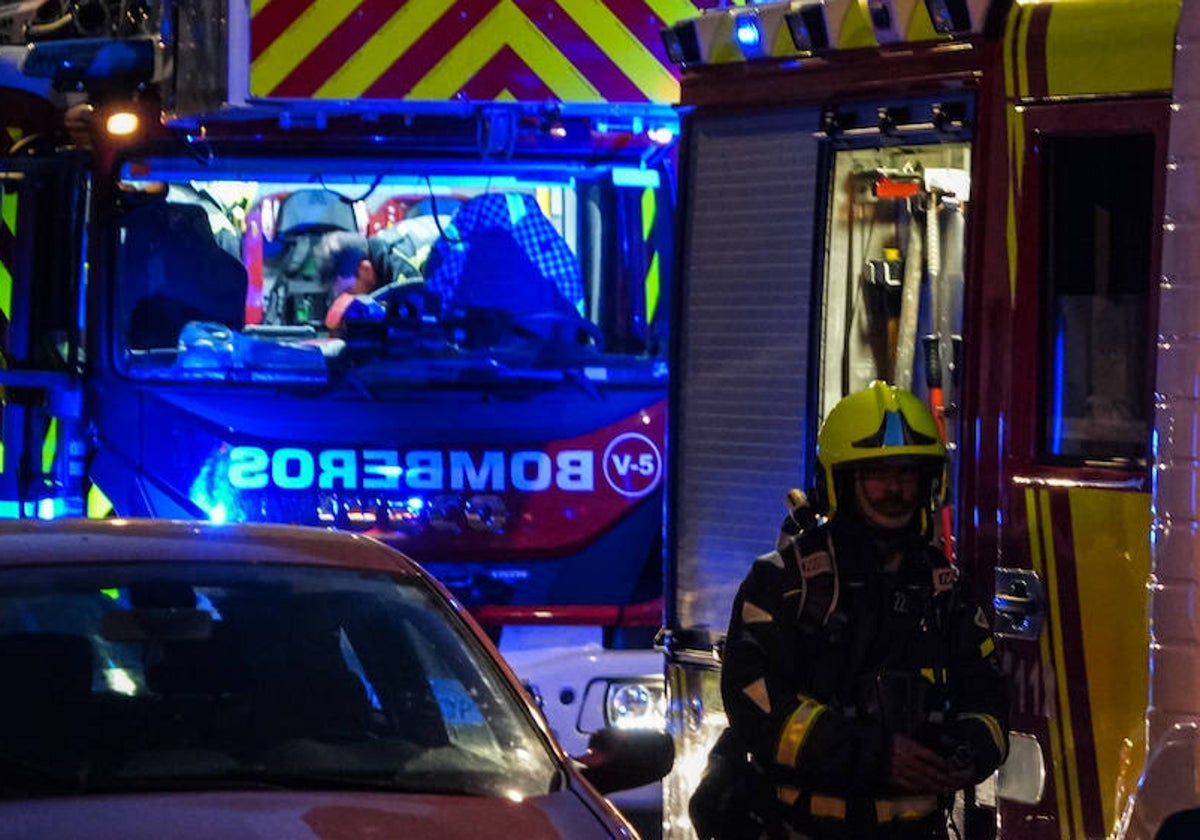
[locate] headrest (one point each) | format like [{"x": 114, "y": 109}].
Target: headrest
[{"x": 316, "y": 209}]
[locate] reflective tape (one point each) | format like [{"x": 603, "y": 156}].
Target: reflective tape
[
  {"x": 795, "y": 730},
  {"x": 830, "y": 807},
  {"x": 787, "y": 794},
  {"x": 991, "y": 724},
  {"x": 905, "y": 808}
]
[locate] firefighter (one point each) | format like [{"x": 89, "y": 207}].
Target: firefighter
[
  {"x": 347, "y": 260},
  {"x": 858, "y": 677}
]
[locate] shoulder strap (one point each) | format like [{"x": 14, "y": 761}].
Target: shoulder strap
[
  {"x": 944, "y": 578},
  {"x": 810, "y": 553},
  {"x": 944, "y": 587}
]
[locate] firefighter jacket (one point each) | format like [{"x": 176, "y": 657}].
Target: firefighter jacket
[{"x": 827, "y": 656}]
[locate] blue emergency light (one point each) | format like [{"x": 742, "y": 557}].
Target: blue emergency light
[
  {"x": 77, "y": 61},
  {"x": 748, "y": 35}
]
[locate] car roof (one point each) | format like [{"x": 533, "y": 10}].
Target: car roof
[{"x": 30, "y": 542}]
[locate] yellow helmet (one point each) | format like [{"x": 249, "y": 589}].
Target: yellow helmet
[{"x": 880, "y": 421}]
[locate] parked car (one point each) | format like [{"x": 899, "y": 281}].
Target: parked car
[
  {"x": 578, "y": 699},
  {"x": 171, "y": 679}
]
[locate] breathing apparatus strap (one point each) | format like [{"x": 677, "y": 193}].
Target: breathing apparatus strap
[
  {"x": 812, "y": 557},
  {"x": 813, "y": 562}
]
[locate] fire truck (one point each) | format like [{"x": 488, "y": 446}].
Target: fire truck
[
  {"x": 182, "y": 185},
  {"x": 993, "y": 204}
]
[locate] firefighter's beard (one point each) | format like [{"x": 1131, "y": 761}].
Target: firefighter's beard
[{"x": 891, "y": 508}]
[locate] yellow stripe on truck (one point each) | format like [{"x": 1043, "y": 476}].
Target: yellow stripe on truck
[
  {"x": 670, "y": 11},
  {"x": 1090, "y": 47},
  {"x": 8, "y": 217},
  {"x": 1056, "y": 746},
  {"x": 1111, "y": 532},
  {"x": 8, "y": 211},
  {"x": 1061, "y": 683},
  {"x": 1016, "y": 64},
  {"x": 1126, "y": 47},
  {"x": 653, "y": 277}
]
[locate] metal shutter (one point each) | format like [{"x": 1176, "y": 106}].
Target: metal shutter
[{"x": 742, "y": 383}]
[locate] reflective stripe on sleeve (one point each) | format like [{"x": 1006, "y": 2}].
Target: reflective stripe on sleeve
[
  {"x": 795, "y": 730},
  {"x": 991, "y": 724},
  {"x": 905, "y": 808},
  {"x": 830, "y": 807}
]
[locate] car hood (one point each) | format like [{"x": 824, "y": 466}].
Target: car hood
[{"x": 300, "y": 816}]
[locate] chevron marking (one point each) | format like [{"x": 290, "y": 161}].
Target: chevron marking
[
  {"x": 368, "y": 63},
  {"x": 572, "y": 50},
  {"x": 673, "y": 11},
  {"x": 621, "y": 45},
  {"x": 299, "y": 40},
  {"x": 8, "y": 211},
  {"x": 504, "y": 26},
  {"x": 491, "y": 82}
]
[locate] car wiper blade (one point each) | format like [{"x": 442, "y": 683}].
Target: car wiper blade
[
  {"x": 267, "y": 778},
  {"x": 185, "y": 782}
]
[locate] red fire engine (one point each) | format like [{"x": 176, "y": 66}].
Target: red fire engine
[{"x": 190, "y": 186}]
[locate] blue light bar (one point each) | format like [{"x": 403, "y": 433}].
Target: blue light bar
[
  {"x": 748, "y": 35},
  {"x": 76, "y": 61}
]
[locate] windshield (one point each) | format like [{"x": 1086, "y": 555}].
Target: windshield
[
  {"x": 219, "y": 676},
  {"x": 303, "y": 270}
]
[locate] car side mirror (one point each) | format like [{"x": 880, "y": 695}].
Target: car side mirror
[
  {"x": 1179, "y": 826},
  {"x": 622, "y": 759}
]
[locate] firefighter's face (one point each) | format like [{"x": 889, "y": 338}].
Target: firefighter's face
[
  {"x": 887, "y": 493},
  {"x": 361, "y": 283}
]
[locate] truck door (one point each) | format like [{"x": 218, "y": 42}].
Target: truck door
[
  {"x": 43, "y": 201},
  {"x": 1070, "y": 599}
]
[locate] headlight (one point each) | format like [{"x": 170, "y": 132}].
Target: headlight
[{"x": 630, "y": 704}]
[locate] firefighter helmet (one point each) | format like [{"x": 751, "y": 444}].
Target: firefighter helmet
[{"x": 880, "y": 421}]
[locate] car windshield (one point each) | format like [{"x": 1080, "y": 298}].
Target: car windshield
[{"x": 200, "y": 675}]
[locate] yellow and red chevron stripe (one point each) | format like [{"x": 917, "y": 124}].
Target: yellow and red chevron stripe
[
  {"x": 590, "y": 51},
  {"x": 8, "y": 235}
]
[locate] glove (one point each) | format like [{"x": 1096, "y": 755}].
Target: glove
[{"x": 915, "y": 768}]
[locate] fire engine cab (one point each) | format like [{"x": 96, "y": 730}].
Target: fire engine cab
[{"x": 400, "y": 271}]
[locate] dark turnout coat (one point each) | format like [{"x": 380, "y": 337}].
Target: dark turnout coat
[{"x": 827, "y": 657}]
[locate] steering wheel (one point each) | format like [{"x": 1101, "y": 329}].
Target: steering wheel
[{"x": 553, "y": 325}]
